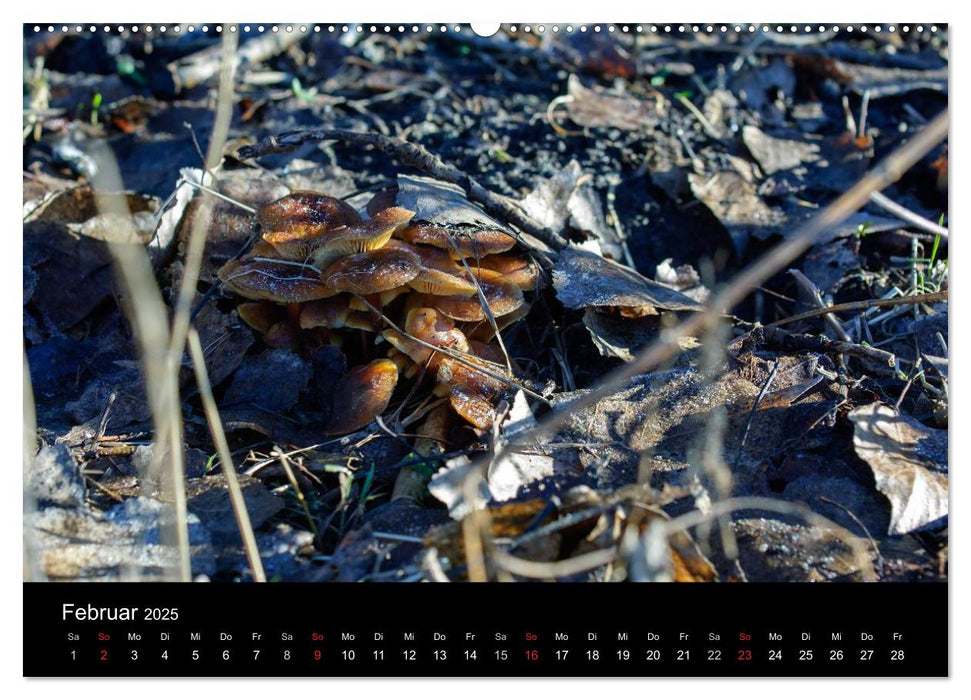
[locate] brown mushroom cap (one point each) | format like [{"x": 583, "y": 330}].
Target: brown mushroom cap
[
  {"x": 471, "y": 242},
  {"x": 295, "y": 245},
  {"x": 308, "y": 213},
  {"x": 501, "y": 296},
  {"x": 372, "y": 272},
  {"x": 433, "y": 328},
  {"x": 361, "y": 395},
  {"x": 325, "y": 313},
  {"x": 274, "y": 280},
  {"x": 472, "y": 394},
  {"x": 517, "y": 269},
  {"x": 370, "y": 235},
  {"x": 431, "y": 281},
  {"x": 259, "y": 315}
]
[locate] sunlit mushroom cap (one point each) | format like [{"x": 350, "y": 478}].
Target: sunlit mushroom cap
[
  {"x": 516, "y": 269},
  {"x": 372, "y": 272},
  {"x": 470, "y": 242},
  {"x": 431, "y": 281},
  {"x": 370, "y": 235},
  {"x": 295, "y": 245},
  {"x": 472, "y": 394},
  {"x": 431, "y": 327},
  {"x": 308, "y": 213},
  {"x": 281, "y": 281},
  {"x": 361, "y": 395},
  {"x": 501, "y": 296}
]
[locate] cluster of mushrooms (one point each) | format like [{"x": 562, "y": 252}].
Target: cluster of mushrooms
[{"x": 416, "y": 294}]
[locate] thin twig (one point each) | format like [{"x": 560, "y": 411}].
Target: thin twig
[
  {"x": 417, "y": 157},
  {"x": 799, "y": 341},
  {"x": 707, "y": 125},
  {"x": 291, "y": 477},
  {"x": 813, "y": 291},
  {"x": 862, "y": 305},
  {"x": 907, "y": 215},
  {"x": 755, "y": 407},
  {"x": 484, "y": 304}
]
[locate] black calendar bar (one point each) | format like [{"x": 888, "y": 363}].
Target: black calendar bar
[{"x": 430, "y": 630}]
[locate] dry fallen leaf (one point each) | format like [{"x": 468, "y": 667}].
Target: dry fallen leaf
[
  {"x": 584, "y": 279},
  {"x": 909, "y": 463},
  {"x": 594, "y": 108}
]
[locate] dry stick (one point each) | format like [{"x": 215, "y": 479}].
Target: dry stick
[
  {"x": 417, "y": 157},
  {"x": 225, "y": 457},
  {"x": 796, "y": 341},
  {"x": 755, "y": 408},
  {"x": 291, "y": 477},
  {"x": 775, "y": 260},
  {"x": 197, "y": 235},
  {"x": 33, "y": 559},
  {"x": 813, "y": 291},
  {"x": 907, "y": 215},
  {"x": 862, "y": 305},
  {"x": 149, "y": 319}
]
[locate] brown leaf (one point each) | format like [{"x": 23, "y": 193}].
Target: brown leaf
[
  {"x": 584, "y": 279},
  {"x": 909, "y": 463},
  {"x": 594, "y": 108}
]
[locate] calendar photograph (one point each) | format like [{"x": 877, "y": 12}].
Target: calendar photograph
[{"x": 316, "y": 303}]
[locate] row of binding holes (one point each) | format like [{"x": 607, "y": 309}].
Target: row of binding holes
[{"x": 539, "y": 28}]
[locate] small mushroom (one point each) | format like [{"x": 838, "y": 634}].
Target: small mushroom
[
  {"x": 294, "y": 245},
  {"x": 372, "y": 272},
  {"x": 472, "y": 394},
  {"x": 361, "y": 395},
  {"x": 433, "y": 328},
  {"x": 471, "y": 242},
  {"x": 259, "y": 315},
  {"x": 279, "y": 335},
  {"x": 370, "y": 235},
  {"x": 501, "y": 296},
  {"x": 307, "y": 213},
  {"x": 517, "y": 269},
  {"x": 282, "y": 281},
  {"x": 440, "y": 274}
]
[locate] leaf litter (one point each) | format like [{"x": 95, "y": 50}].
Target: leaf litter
[{"x": 665, "y": 166}]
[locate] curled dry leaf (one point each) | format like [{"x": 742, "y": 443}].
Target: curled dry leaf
[
  {"x": 736, "y": 204},
  {"x": 583, "y": 279},
  {"x": 909, "y": 463},
  {"x": 595, "y": 108},
  {"x": 774, "y": 154}
]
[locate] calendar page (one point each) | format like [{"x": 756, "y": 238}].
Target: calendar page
[{"x": 447, "y": 349}]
